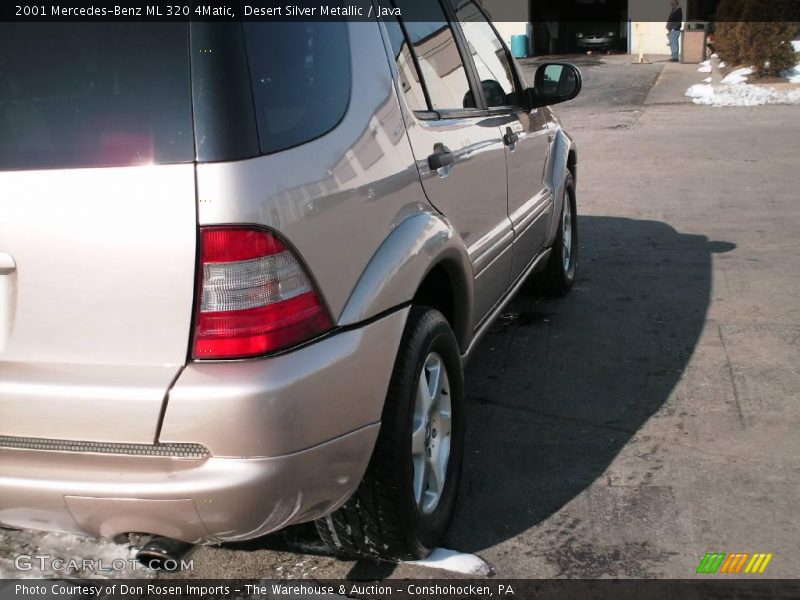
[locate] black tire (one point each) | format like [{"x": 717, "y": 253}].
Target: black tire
[
  {"x": 556, "y": 279},
  {"x": 382, "y": 519}
]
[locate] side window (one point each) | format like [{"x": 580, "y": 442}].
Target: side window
[
  {"x": 438, "y": 56},
  {"x": 301, "y": 79},
  {"x": 410, "y": 82},
  {"x": 489, "y": 54}
]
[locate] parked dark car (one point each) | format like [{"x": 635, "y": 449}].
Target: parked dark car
[{"x": 600, "y": 36}]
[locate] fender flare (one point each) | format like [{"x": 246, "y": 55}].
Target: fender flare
[
  {"x": 396, "y": 271},
  {"x": 559, "y": 165}
]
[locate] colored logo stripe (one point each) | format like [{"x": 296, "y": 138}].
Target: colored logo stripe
[
  {"x": 758, "y": 564},
  {"x": 733, "y": 563},
  {"x": 711, "y": 562}
]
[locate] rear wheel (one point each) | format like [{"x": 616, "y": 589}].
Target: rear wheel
[
  {"x": 559, "y": 274},
  {"x": 404, "y": 504}
]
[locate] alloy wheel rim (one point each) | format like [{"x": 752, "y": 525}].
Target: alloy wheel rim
[
  {"x": 431, "y": 434},
  {"x": 566, "y": 235}
]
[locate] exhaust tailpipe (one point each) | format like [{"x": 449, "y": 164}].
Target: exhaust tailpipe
[{"x": 163, "y": 554}]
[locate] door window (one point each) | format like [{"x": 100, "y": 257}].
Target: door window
[
  {"x": 438, "y": 56},
  {"x": 494, "y": 66},
  {"x": 410, "y": 80}
]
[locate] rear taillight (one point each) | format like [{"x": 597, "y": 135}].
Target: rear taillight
[{"x": 255, "y": 296}]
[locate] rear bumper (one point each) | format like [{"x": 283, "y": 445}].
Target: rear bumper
[
  {"x": 289, "y": 439},
  {"x": 214, "y": 499}
]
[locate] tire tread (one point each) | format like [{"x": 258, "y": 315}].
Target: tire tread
[{"x": 370, "y": 524}]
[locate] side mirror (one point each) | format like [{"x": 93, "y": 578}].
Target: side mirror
[{"x": 555, "y": 83}]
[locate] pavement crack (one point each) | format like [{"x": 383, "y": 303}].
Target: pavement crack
[
  {"x": 732, "y": 377},
  {"x": 541, "y": 413}
]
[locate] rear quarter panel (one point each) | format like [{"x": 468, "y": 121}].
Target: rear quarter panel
[{"x": 336, "y": 198}]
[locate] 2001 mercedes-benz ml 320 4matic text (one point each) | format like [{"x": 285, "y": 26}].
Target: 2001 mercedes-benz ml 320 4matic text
[{"x": 242, "y": 264}]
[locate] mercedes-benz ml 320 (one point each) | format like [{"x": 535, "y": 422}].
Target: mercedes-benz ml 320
[{"x": 242, "y": 265}]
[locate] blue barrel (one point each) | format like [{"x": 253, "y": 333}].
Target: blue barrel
[{"x": 519, "y": 46}]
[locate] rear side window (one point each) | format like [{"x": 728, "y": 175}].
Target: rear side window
[
  {"x": 94, "y": 94},
  {"x": 301, "y": 80}
]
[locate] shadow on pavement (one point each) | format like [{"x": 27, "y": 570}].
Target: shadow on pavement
[{"x": 559, "y": 386}]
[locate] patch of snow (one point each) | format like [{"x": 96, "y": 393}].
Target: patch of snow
[
  {"x": 723, "y": 64},
  {"x": 741, "y": 95},
  {"x": 738, "y": 76},
  {"x": 705, "y": 67},
  {"x": 707, "y": 80},
  {"x": 450, "y": 560},
  {"x": 66, "y": 547},
  {"x": 796, "y": 45},
  {"x": 700, "y": 91},
  {"x": 793, "y": 74}
]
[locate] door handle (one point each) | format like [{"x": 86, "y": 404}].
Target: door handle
[
  {"x": 7, "y": 263},
  {"x": 441, "y": 157},
  {"x": 510, "y": 138}
]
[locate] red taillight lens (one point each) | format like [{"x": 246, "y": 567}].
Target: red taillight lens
[{"x": 255, "y": 296}]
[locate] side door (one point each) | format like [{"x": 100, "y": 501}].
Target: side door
[
  {"x": 457, "y": 145},
  {"x": 525, "y": 132}
]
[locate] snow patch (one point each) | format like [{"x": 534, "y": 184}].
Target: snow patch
[
  {"x": 705, "y": 67},
  {"x": 67, "y": 547},
  {"x": 700, "y": 90},
  {"x": 450, "y": 560},
  {"x": 796, "y": 45},
  {"x": 738, "y": 76},
  {"x": 735, "y": 91},
  {"x": 741, "y": 95},
  {"x": 793, "y": 74}
]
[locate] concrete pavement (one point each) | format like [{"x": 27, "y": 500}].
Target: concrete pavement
[
  {"x": 671, "y": 86},
  {"x": 652, "y": 416}
]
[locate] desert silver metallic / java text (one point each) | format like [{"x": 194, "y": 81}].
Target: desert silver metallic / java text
[{"x": 431, "y": 433}]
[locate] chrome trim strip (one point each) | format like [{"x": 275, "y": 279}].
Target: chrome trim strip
[{"x": 194, "y": 451}]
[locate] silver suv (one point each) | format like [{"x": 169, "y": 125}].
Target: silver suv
[{"x": 242, "y": 265}]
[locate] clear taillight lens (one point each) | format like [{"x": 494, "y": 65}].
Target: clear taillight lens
[{"x": 255, "y": 296}]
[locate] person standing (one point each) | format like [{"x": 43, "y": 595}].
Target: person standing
[{"x": 674, "y": 23}]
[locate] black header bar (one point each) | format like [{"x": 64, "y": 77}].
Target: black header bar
[{"x": 521, "y": 11}]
